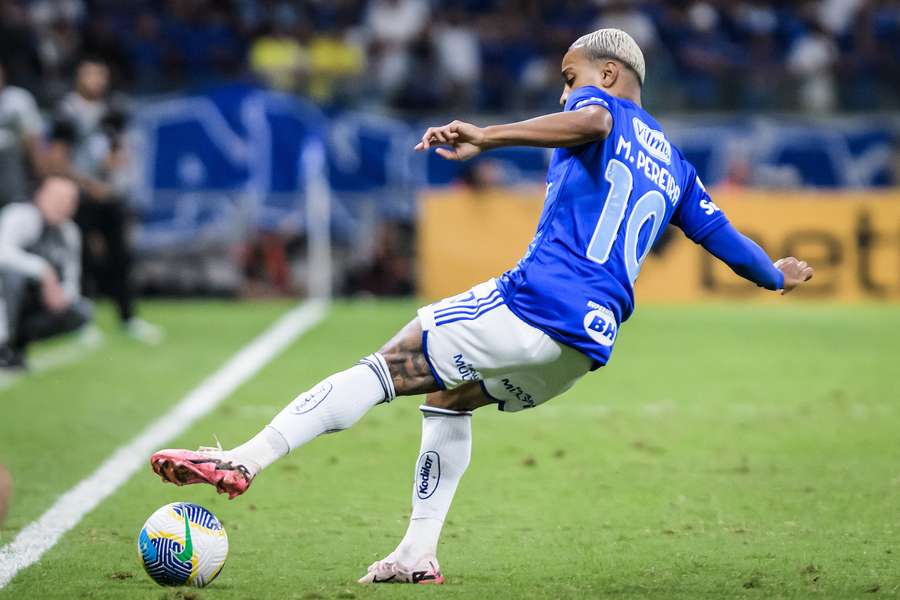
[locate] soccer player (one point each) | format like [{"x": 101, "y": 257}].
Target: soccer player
[{"x": 614, "y": 183}]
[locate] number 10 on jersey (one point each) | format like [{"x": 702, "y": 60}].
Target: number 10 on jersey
[{"x": 651, "y": 205}]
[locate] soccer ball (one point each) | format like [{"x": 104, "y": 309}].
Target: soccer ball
[{"x": 183, "y": 544}]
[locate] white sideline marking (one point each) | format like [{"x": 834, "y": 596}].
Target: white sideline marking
[{"x": 41, "y": 535}]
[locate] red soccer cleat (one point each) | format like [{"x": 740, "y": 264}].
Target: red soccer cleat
[{"x": 214, "y": 466}]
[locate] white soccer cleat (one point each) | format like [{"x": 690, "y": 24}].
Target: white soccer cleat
[
  {"x": 388, "y": 570},
  {"x": 90, "y": 336},
  {"x": 143, "y": 331}
]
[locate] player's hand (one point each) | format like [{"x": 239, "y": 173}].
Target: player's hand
[
  {"x": 796, "y": 272},
  {"x": 457, "y": 140},
  {"x": 52, "y": 293}
]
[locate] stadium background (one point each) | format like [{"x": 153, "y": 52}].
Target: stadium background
[
  {"x": 269, "y": 159},
  {"x": 222, "y": 98}
]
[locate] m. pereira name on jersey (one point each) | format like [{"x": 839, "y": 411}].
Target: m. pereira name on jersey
[{"x": 660, "y": 176}]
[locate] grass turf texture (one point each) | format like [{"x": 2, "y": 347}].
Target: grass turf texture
[{"x": 725, "y": 452}]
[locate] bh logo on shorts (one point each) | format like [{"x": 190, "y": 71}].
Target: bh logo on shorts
[
  {"x": 307, "y": 401},
  {"x": 428, "y": 474},
  {"x": 600, "y": 324}
]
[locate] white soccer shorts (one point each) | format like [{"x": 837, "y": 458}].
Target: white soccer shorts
[{"x": 474, "y": 337}]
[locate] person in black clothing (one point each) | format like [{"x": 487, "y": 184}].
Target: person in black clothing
[{"x": 87, "y": 144}]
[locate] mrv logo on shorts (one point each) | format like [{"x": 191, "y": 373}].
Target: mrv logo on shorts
[
  {"x": 600, "y": 324},
  {"x": 467, "y": 372},
  {"x": 428, "y": 474}
]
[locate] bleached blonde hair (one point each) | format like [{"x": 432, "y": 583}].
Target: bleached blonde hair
[{"x": 613, "y": 43}]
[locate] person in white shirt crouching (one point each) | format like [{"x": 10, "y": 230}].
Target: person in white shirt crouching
[{"x": 40, "y": 270}]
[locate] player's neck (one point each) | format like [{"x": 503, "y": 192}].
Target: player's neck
[
  {"x": 626, "y": 94},
  {"x": 624, "y": 90}
]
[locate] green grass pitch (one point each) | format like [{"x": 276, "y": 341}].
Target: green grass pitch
[{"x": 726, "y": 452}]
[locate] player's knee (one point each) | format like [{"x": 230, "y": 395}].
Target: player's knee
[
  {"x": 440, "y": 400},
  {"x": 406, "y": 362},
  {"x": 468, "y": 397}
]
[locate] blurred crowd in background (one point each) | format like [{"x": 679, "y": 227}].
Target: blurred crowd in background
[
  {"x": 64, "y": 213},
  {"x": 486, "y": 55},
  {"x": 87, "y": 86}
]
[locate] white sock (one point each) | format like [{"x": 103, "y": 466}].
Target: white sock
[
  {"x": 331, "y": 405},
  {"x": 443, "y": 458},
  {"x": 262, "y": 450}
]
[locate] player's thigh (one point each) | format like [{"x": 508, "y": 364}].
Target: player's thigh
[
  {"x": 466, "y": 397},
  {"x": 410, "y": 372},
  {"x": 475, "y": 336},
  {"x": 527, "y": 388}
]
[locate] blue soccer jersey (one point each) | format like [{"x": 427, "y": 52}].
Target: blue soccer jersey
[{"x": 607, "y": 203}]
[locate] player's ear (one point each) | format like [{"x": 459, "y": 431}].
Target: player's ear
[{"x": 609, "y": 73}]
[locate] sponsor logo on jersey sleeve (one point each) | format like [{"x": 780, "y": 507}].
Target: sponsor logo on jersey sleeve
[
  {"x": 709, "y": 207},
  {"x": 600, "y": 325},
  {"x": 653, "y": 140}
]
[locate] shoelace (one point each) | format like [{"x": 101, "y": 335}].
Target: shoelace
[
  {"x": 228, "y": 464},
  {"x": 217, "y": 448}
]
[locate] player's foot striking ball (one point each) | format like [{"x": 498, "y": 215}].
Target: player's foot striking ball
[
  {"x": 615, "y": 182},
  {"x": 183, "y": 544},
  {"x": 207, "y": 465}
]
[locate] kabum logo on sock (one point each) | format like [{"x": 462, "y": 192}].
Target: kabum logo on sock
[
  {"x": 307, "y": 401},
  {"x": 428, "y": 474}
]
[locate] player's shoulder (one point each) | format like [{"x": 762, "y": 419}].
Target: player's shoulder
[
  {"x": 651, "y": 132},
  {"x": 653, "y": 138},
  {"x": 690, "y": 179},
  {"x": 683, "y": 163},
  {"x": 589, "y": 95}
]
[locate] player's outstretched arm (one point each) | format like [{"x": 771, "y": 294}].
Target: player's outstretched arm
[
  {"x": 461, "y": 141},
  {"x": 747, "y": 259}
]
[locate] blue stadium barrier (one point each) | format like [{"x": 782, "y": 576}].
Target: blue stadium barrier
[{"x": 232, "y": 155}]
